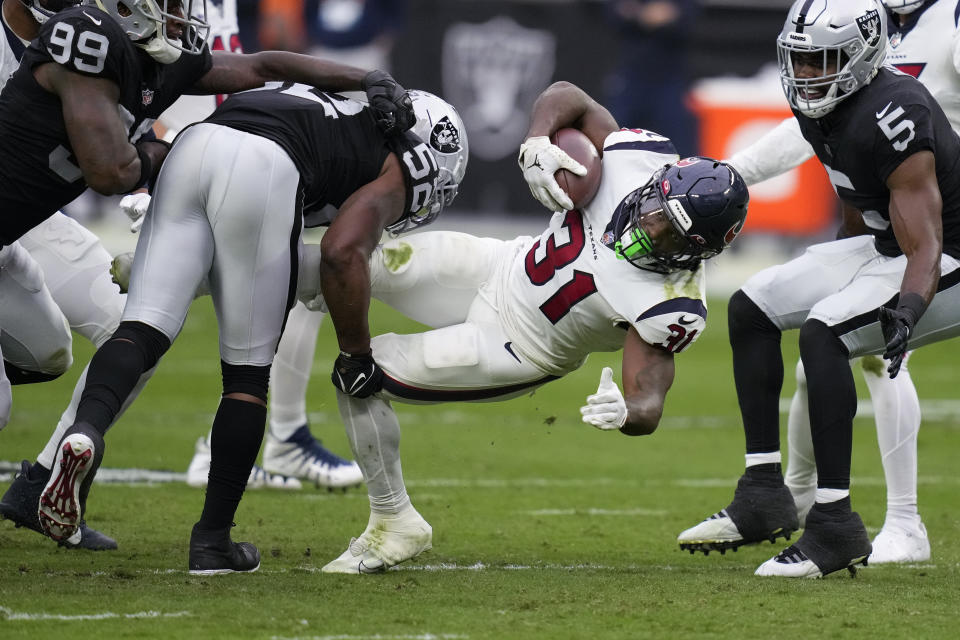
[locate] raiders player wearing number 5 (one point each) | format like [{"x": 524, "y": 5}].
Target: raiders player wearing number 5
[
  {"x": 890, "y": 284},
  {"x": 625, "y": 271}
]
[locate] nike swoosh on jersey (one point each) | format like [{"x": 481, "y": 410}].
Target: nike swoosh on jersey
[
  {"x": 506, "y": 345},
  {"x": 681, "y": 320},
  {"x": 92, "y": 19},
  {"x": 883, "y": 112}
]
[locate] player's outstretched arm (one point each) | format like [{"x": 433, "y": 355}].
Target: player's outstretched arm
[
  {"x": 345, "y": 254},
  {"x": 648, "y": 373},
  {"x": 110, "y": 164},
  {"x": 232, "y": 72},
  {"x": 647, "y": 376}
]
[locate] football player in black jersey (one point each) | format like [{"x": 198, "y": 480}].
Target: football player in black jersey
[
  {"x": 89, "y": 87},
  {"x": 229, "y": 207},
  {"x": 889, "y": 281}
]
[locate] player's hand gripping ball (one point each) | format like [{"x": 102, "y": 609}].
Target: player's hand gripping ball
[{"x": 578, "y": 146}]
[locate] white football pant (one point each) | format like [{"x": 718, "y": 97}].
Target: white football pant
[{"x": 225, "y": 208}]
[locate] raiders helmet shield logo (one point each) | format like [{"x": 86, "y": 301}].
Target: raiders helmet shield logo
[
  {"x": 869, "y": 25},
  {"x": 445, "y": 138}
]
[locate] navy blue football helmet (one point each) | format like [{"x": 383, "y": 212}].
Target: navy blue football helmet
[{"x": 689, "y": 211}]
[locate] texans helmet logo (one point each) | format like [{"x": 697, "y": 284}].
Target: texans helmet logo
[{"x": 732, "y": 232}]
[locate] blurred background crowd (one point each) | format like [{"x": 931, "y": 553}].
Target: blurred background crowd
[{"x": 699, "y": 71}]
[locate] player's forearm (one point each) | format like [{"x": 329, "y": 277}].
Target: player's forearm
[
  {"x": 294, "y": 67},
  {"x": 778, "y": 151},
  {"x": 345, "y": 282}
]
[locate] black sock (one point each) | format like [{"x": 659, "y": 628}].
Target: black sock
[
  {"x": 115, "y": 369},
  {"x": 757, "y": 372},
  {"x": 234, "y": 443},
  {"x": 770, "y": 471},
  {"x": 832, "y": 397}
]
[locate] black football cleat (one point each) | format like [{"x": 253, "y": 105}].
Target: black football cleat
[
  {"x": 762, "y": 509},
  {"x": 20, "y": 502},
  {"x": 213, "y": 553},
  {"x": 830, "y": 542}
]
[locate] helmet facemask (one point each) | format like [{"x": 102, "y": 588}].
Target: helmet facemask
[
  {"x": 653, "y": 237},
  {"x": 163, "y": 28}
]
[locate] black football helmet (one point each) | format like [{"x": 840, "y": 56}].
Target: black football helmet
[{"x": 689, "y": 211}]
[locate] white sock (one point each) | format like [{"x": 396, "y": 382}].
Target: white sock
[
  {"x": 374, "y": 434},
  {"x": 753, "y": 459},
  {"x": 897, "y": 410},
  {"x": 290, "y": 373},
  {"x": 825, "y": 496},
  {"x": 801, "y": 475}
]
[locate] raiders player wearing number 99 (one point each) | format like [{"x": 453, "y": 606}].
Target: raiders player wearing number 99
[
  {"x": 74, "y": 115},
  {"x": 625, "y": 272}
]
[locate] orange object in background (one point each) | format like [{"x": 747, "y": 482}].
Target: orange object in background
[{"x": 799, "y": 202}]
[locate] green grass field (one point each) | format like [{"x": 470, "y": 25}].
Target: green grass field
[{"x": 543, "y": 527}]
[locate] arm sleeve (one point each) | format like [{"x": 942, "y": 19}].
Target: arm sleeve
[{"x": 778, "y": 151}]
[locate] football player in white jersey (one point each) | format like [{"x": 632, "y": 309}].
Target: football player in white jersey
[
  {"x": 917, "y": 33},
  {"x": 624, "y": 271}
]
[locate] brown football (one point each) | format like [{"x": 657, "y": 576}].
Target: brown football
[{"x": 577, "y": 145}]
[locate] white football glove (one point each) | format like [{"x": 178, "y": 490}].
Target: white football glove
[
  {"x": 135, "y": 206},
  {"x": 606, "y": 409},
  {"x": 539, "y": 159}
]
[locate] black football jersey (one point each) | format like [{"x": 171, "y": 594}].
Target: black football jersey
[
  {"x": 870, "y": 134},
  {"x": 38, "y": 172},
  {"x": 333, "y": 141}
]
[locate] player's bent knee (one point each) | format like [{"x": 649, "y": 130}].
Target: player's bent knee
[
  {"x": 151, "y": 342},
  {"x": 745, "y": 318},
  {"x": 245, "y": 379},
  {"x": 817, "y": 341}
]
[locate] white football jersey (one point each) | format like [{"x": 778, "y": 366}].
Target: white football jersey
[
  {"x": 8, "y": 60},
  {"x": 224, "y": 36},
  {"x": 566, "y": 294},
  {"x": 930, "y": 52}
]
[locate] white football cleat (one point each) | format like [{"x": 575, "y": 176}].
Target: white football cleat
[
  {"x": 833, "y": 540},
  {"x": 259, "y": 478},
  {"x": 717, "y": 529},
  {"x": 901, "y": 542},
  {"x": 387, "y": 541},
  {"x": 303, "y": 456}
]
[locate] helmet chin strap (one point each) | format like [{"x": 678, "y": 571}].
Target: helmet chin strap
[{"x": 161, "y": 50}]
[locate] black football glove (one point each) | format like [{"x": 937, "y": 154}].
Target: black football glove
[
  {"x": 357, "y": 375},
  {"x": 390, "y": 103},
  {"x": 897, "y": 326}
]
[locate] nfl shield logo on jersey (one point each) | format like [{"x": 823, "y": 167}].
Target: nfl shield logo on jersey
[{"x": 146, "y": 97}]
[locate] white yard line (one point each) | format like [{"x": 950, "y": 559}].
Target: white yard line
[{"x": 9, "y": 615}]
